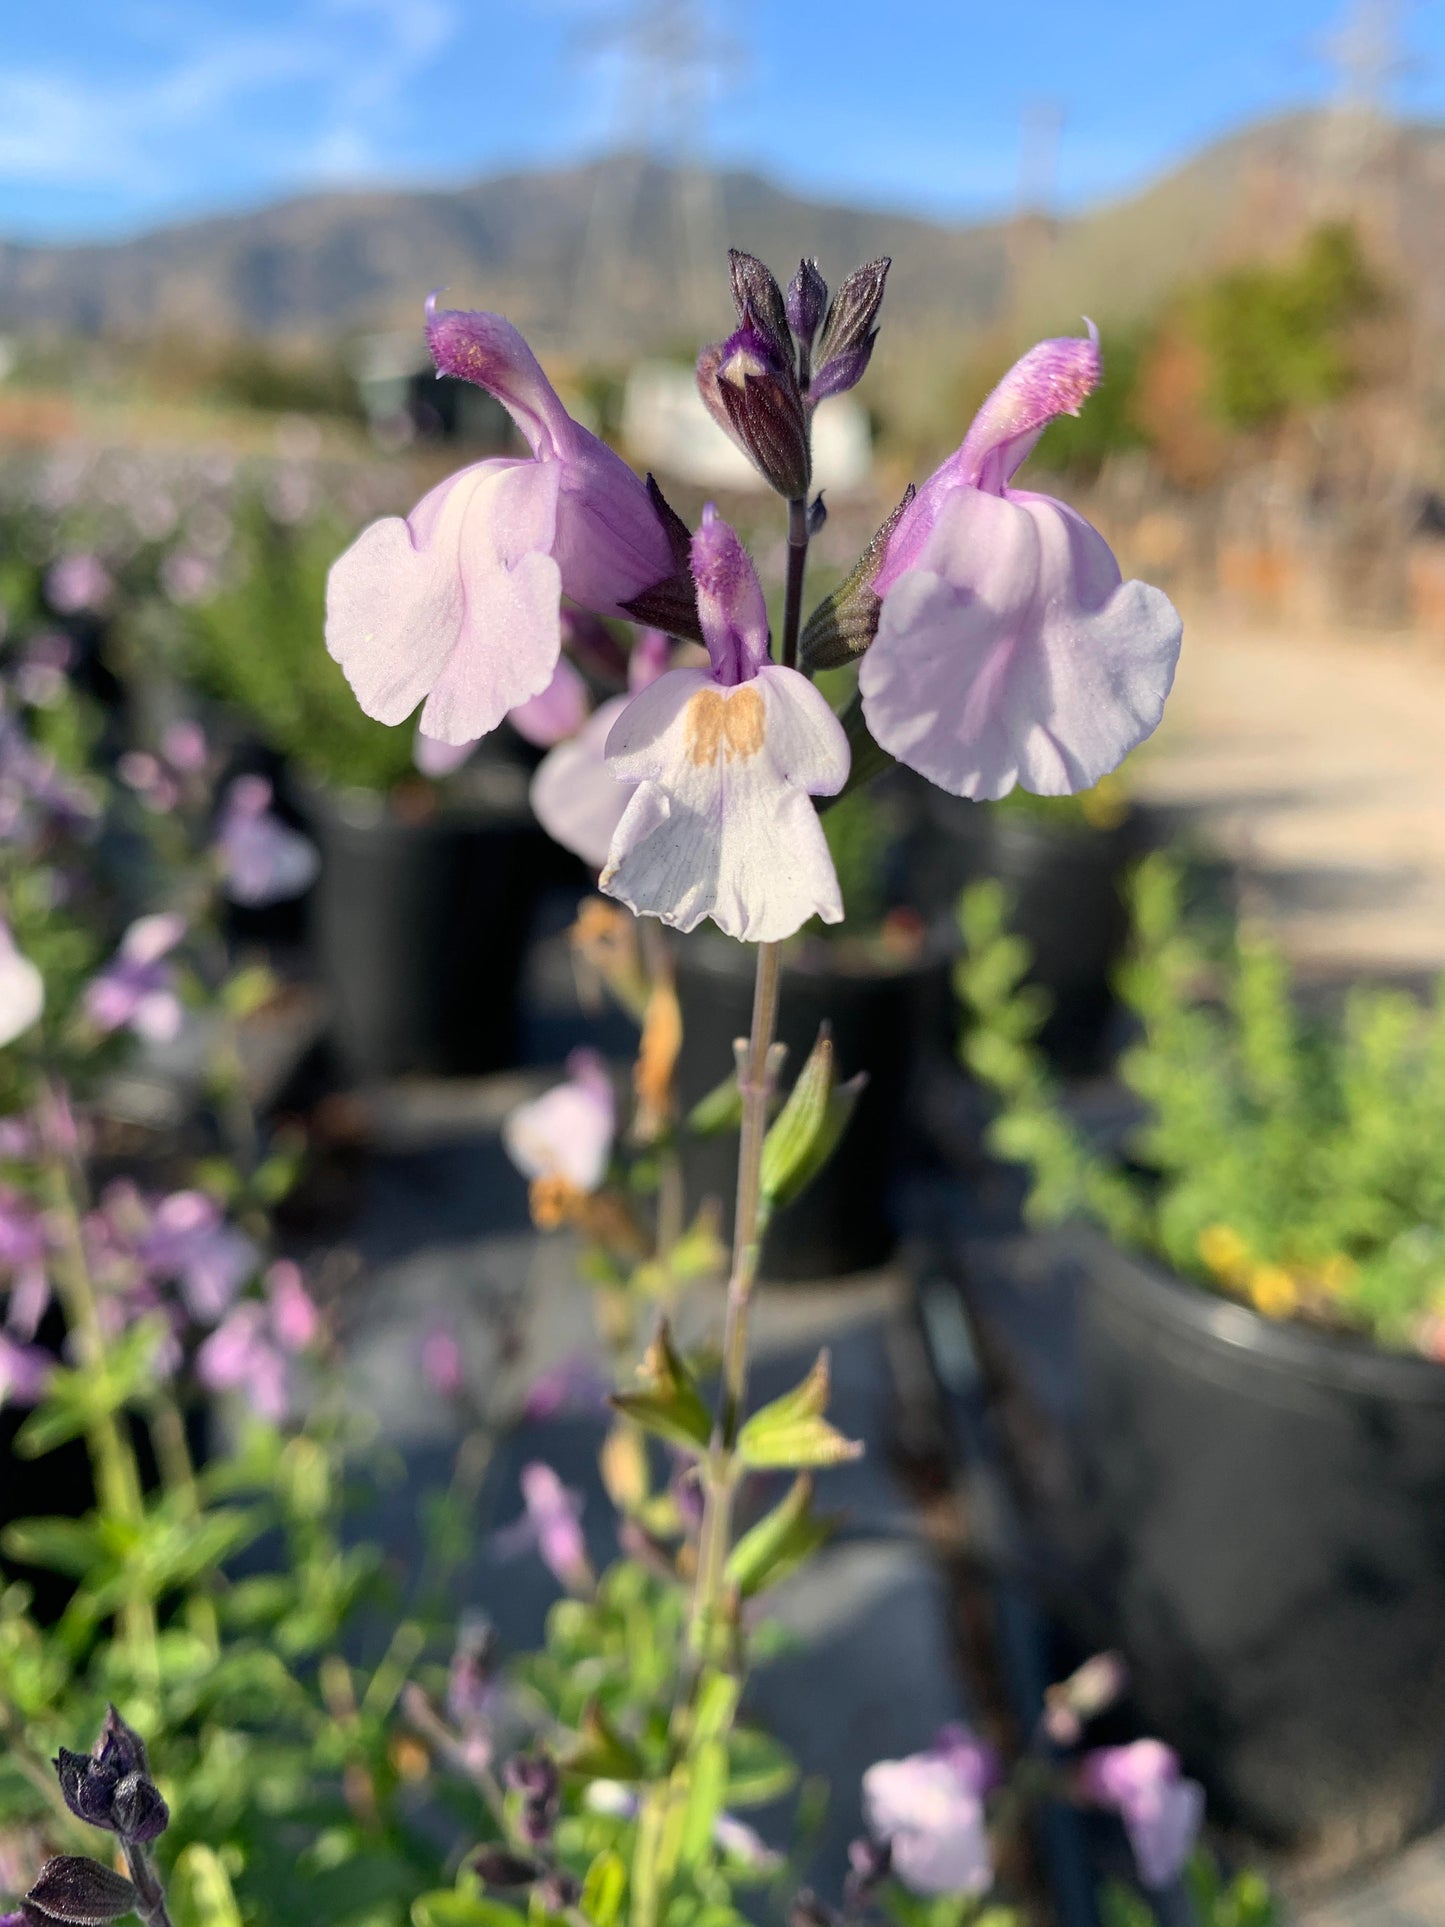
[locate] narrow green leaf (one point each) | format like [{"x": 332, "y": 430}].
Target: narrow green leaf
[
  {"x": 779, "y": 1542},
  {"x": 601, "y": 1752},
  {"x": 721, "y": 1110},
  {"x": 604, "y": 1889},
  {"x": 669, "y": 1402}
]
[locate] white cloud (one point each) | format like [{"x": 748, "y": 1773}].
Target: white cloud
[{"x": 358, "y": 61}]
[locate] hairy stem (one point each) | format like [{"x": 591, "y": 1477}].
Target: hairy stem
[
  {"x": 150, "y": 1895},
  {"x": 117, "y": 1477}
]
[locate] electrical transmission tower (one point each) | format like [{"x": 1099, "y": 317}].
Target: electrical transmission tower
[{"x": 670, "y": 64}]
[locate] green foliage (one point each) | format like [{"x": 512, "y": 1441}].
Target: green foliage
[
  {"x": 1241, "y": 1900},
  {"x": 256, "y": 645},
  {"x": 1278, "y": 337},
  {"x": 859, "y": 838},
  {"x": 1296, "y": 1162},
  {"x": 252, "y": 376}
]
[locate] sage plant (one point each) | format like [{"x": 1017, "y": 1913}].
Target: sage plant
[{"x": 995, "y": 644}]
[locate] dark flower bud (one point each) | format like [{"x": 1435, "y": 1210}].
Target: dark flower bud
[
  {"x": 844, "y": 623},
  {"x": 111, "y": 1786},
  {"x": 759, "y": 301},
  {"x": 806, "y": 1910},
  {"x": 671, "y": 605},
  {"x": 817, "y": 515},
  {"x": 559, "y": 1891},
  {"x": 73, "y": 1888},
  {"x": 846, "y": 344},
  {"x": 752, "y": 391},
  {"x": 498, "y": 1867},
  {"x": 868, "y": 1864},
  {"x": 807, "y": 302},
  {"x": 536, "y": 1778},
  {"x": 138, "y": 1813}
]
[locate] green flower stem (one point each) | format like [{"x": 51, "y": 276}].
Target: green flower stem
[
  {"x": 117, "y": 1477},
  {"x": 150, "y": 1895},
  {"x": 178, "y": 1475}
]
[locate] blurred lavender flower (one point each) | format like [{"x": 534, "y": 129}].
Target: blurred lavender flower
[
  {"x": 152, "y": 782},
  {"x": 24, "y": 1372},
  {"x": 78, "y": 584},
  {"x": 263, "y": 860},
  {"x": 242, "y": 1355},
  {"x": 187, "y": 579},
  {"x": 577, "y": 799},
  {"x": 551, "y": 1526},
  {"x": 576, "y": 1385},
  {"x": 23, "y": 1251},
  {"x": 1161, "y": 1810},
  {"x": 442, "y": 1362},
  {"x": 928, "y": 1810},
  {"x": 567, "y": 1133},
  {"x": 137, "y": 988}
]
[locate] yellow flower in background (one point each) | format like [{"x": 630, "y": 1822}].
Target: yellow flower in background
[
  {"x": 1225, "y": 1253},
  {"x": 1274, "y": 1291}
]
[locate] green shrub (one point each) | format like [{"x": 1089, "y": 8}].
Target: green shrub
[{"x": 1295, "y": 1162}]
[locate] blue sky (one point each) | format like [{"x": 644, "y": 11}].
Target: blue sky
[{"x": 117, "y": 114}]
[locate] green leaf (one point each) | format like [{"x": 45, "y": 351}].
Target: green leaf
[
  {"x": 706, "y": 1793},
  {"x": 779, "y": 1542},
  {"x": 202, "y": 1889},
  {"x": 71, "y": 1546},
  {"x": 670, "y": 1403},
  {"x": 601, "y": 1752},
  {"x": 604, "y": 1889},
  {"x": 806, "y": 1131},
  {"x": 721, "y": 1110},
  {"x": 458, "y": 1908},
  {"x": 760, "y": 1768},
  {"x": 792, "y": 1432}
]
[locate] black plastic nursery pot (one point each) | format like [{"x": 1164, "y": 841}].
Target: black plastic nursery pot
[
  {"x": 1257, "y": 1513},
  {"x": 420, "y": 928},
  {"x": 879, "y": 1016},
  {"x": 1066, "y": 885}
]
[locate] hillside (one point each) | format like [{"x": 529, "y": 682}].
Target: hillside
[{"x": 326, "y": 264}]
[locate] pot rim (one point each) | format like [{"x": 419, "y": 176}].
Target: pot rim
[{"x": 1340, "y": 1360}]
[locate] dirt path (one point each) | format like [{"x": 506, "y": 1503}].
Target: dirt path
[{"x": 1318, "y": 763}]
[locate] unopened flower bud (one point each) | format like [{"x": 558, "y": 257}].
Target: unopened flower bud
[
  {"x": 751, "y": 390},
  {"x": 868, "y": 1865},
  {"x": 807, "y": 302},
  {"x": 844, "y": 623},
  {"x": 846, "y": 344},
  {"x": 498, "y": 1867},
  {"x": 559, "y": 1890},
  {"x": 759, "y": 300},
  {"x": 111, "y": 1786},
  {"x": 806, "y": 1910}
]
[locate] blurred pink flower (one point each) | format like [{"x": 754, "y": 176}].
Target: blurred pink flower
[
  {"x": 24, "y": 1372},
  {"x": 576, "y": 1385},
  {"x": 577, "y": 799},
  {"x": 24, "y": 1248},
  {"x": 442, "y": 1362},
  {"x": 189, "y": 1243},
  {"x": 552, "y": 1524},
  {"x": 78, "y": 584},
  {"x": 567, "y": 1133},
  {"x": 241, "y": 1355},
  {"x": 136, "y": 990},
  {"x": 928, "y": 1810},
  {"x": 1009, "y": 650},
  {"x": 294, "y": 1317},
  {"x": 263, "y": 860},
  {"x": 1161, "y": 1810}
]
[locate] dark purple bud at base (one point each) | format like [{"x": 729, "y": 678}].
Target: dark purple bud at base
[
  {"x": 670, "y": 605},
  {"x": 759, "y": 301},
  {"x": 79, "y": 1890},
  {"x": 844, "y": 623},
  {"x": 806, "y": 1910},
  {"x": 496, "y": 1867},
  {"x": 111, "y": 1787},
  {"x": 846, "y": 343},
  {"x": 868, "y": 1865},
  {"x": 752, "y": 391},
  {"x": 536, "y": 1778},
  {"x": 559, "y": 1891},
  {"x": 807, "y": 302}
]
